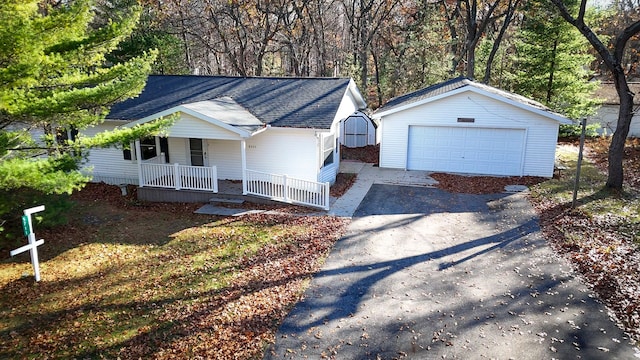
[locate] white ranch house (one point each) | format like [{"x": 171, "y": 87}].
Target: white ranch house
[
  {"x": 461, "y": 126},
  {"x": 278, "y": 137}
]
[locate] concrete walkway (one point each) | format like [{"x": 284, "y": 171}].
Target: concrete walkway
[{"x": 346, "y": 205}]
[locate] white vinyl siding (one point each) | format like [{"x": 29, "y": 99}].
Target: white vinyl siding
[
  {"x": 226, "y": 155},
  {"x": 108, "y": 164},
  {"x": 538, "y": 146},
  {"x": 291, "y": 152},
  {"x": 188, "y": 126},
  {"x": 607, "y": 117},
  {"x": 178, "y": 151}
]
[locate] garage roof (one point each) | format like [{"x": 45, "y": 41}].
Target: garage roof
[{"x": 458, "y": 85}]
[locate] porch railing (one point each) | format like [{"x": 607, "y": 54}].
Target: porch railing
[
  {"x": 175, "y": 176},
  {"x": 287, "y": 189}
]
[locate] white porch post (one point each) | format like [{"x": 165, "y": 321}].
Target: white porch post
[
  {"x": 243, "y": 152},
  {"x": 139, "y": 163},
  {"x": 177, "y": 176}
]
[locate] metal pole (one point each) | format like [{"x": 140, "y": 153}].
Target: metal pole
[{"x": 583, "y": 122}]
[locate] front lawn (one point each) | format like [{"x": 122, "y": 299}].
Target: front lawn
[
  {"x": 128, "y": 280},
  {"x": 601, "y": 236}
]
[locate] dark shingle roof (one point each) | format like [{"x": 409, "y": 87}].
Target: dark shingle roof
[
  {"x": 608, "y": 93},
  {"x": 280, "y": 102},
  {"x": 453, "y": 84}
]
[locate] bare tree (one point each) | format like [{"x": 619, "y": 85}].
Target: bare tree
[
  {"x": 508, "y": 16},
  {"x": 613, "y": 59},
  {"x": 365, "y": 18}
]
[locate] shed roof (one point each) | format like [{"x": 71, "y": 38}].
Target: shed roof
[
  {"x": 459, "y": 84},
  {"x": 607, "y": 92},
  {"x": 279, "y": 102}
]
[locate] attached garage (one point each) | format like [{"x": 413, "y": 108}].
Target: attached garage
[{"x": 464, "y": 127}]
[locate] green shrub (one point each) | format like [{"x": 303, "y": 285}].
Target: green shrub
[
  {"x": 574, "y": 130},
  {"x": 12, "y": 205}
]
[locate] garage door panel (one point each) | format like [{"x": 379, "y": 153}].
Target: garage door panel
[{"x": 466, "y": 150}]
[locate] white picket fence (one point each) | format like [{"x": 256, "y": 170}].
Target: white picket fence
[
  {"x": 176, "y": 176},
  {"x": 287, "y": 189}
]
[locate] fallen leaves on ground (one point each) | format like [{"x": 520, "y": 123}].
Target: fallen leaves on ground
[
  {"x": 481, "y": 184},
  {"x": 344, "y": 181},
  {"x": 602, "y": 247},
  {"x": 135, "y": 280},
  {"x": 367, "y": 154}
]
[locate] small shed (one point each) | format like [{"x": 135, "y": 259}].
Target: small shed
[
  {"x": 461, "y": 126},
  {"x": 358, "y": 130}
]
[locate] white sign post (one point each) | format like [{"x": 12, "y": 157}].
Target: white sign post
[{"x": 27, "y": 227}]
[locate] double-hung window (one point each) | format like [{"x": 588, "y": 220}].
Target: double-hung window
[{"x": 328, "y": 149}]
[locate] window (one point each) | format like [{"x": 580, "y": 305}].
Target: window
[
  {"x": 148, "y": 148},
  {"x": 63, "y": 134},
  {"x": 328, "y": 148},
  {"x": 197, "y": 152}
]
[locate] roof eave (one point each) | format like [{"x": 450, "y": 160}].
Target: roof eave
[
  {"x": 362, "y": 103},
  {"x": 182, "y": 109},
  {"x": 551, "y": 115}
]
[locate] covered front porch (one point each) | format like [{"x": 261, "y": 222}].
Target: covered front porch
[
  {"x": 181, "y": 183},
  {"x": 209, "y": 142}
]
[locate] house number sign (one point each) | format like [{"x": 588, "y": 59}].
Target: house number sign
[{"x": 32, "y": 246}]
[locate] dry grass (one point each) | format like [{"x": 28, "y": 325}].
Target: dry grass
[{"x": 130, "y": 280}]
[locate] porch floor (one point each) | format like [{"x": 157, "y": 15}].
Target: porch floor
[{"x": 227, "y": 189}]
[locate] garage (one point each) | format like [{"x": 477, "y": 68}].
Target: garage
[
  {"x": 461, "y": 126},
  {"x": 466, "y": 150}
]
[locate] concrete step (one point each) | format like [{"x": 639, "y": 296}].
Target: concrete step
[{"x": 221, "y": 200}]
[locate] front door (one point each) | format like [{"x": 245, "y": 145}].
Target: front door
[{"x": 198, "y": 154}]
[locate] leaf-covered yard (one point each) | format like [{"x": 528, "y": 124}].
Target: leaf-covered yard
[
  {"x": 132, "y": 280},
  {"x": 125, "y": 280},
  {"x": 601, "y": 236}
]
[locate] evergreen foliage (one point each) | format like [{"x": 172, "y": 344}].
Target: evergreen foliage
[
  {"x": 552, "y": 63},
  {"x": 54, "y": 80},
  {"x": 151, "y": 33}
]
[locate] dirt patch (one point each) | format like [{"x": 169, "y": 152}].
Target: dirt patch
[
  {"x": 343, "y": 183},
  {"x": 481, "y": 184},
  {"x": 369, "y": 154}
]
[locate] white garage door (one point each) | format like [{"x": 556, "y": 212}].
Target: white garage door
[{"x": 466, "y": 150}]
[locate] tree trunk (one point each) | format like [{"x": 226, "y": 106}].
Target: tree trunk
[
  {"x": 552, "y": 69},
  {"x": 508, "y": 17},
  {"x": 613, "y": 61},
  {"x": 616, "y": 149}
]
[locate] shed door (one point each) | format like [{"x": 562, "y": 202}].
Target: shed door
[
  {"x": 356, "y": 131},
  {"x": 466, "y": 150}
]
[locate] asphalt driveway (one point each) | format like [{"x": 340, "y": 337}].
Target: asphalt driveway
[{"x": 426, "y": 274}]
